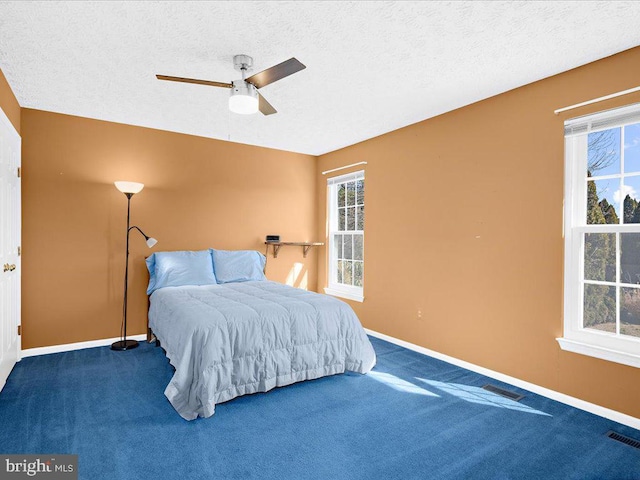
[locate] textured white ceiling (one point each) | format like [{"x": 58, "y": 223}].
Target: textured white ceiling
[{"x": 372, "y": 67}]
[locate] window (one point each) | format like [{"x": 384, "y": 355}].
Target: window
[
  {"x": 602, "y": 236},
  {"x": 346, "y": 236}
]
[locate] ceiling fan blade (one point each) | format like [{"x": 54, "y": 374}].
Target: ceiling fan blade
[
  {"x": 275, "y": 73},
  {"x": 265, "y": 107},
  {"x": 210, "y": 83}
]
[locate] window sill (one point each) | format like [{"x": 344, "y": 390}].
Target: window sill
[
  {"x": 591, "y": 350},
  {"x": 342, "y": 294}
]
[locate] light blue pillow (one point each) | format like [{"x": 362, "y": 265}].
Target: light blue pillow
[
  {"x": 174, "y": 269},
  {"x": 238, "y": 265},
  {"x": 151, "y": 266}
]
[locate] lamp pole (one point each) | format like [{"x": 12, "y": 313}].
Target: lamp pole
[{"x": 125, "y": 344}]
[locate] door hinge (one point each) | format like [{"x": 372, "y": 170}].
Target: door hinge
[
  {"x": 19, "y": 329},
  {"x": 19, "y": 251},
  {"x": 19, "y": 172}
]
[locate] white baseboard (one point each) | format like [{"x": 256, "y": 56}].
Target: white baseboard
[
  {"x": 614, "y": 415},
  {"x": 30, "y": 352}
]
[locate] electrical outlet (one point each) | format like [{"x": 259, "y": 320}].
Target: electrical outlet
[{"x": 419, "y": 314}]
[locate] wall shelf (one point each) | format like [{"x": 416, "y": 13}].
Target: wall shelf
[{"x": 306, "y": 246}]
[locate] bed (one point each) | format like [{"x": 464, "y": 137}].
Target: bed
[{"x": 232, "y": 338}]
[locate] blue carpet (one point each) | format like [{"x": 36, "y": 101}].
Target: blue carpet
[{"x": 412, "y": 417}]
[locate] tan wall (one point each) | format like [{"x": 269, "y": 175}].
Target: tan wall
[
  {"x": 464, "y": 222},
  {"x": 8, "y": 102},
  {"x": 199, "y": 193}
]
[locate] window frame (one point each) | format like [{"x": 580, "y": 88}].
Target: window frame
[
  {"x": 600, "y": 344},
  {"x": 350, "y": 292}
]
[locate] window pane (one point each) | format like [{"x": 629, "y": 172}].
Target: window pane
[
  {"x": 360, "y": 187},
  {"x": 351, "y": 193},
  {"x": 351, "y": 218},
  {"x": 357, "y": 247},
  {"x": 630, "y": 258},
  {"x": 341, "y": 223},
  {"x": 604, "y": 152},
  {"x": 341, "y": 195},
  {"x": 348, "y": 250},
  {"x": 600, "y": 307},
  {"x": 339, "y": 271},
  {"x": 360, "y": 225},
  {"x": 632, "y": 148},
  {"x": 630, "y": 311},
  {"x": 348, "y": 277},
  {"x": 603, "y": 199},
  {"x": 631, "y": 192},
  {"x": 337, "y": 241},
  {"x": 357, "y": 274},
  {"x": 600, "y": 256}
]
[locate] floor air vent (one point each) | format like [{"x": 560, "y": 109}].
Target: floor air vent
[
  {"x": 632, "y": 442},
  {"x": 505, "y": 393}
]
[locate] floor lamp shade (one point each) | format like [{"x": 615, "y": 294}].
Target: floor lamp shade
[{"x": 129, "y": 189}]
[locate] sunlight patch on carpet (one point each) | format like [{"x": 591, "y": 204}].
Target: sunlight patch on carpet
[
  {"x": 481, "y": 396},
  {"x": 400, "y": 384}
]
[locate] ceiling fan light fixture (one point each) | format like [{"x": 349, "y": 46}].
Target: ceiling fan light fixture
[{"x": 243, "y": 98}]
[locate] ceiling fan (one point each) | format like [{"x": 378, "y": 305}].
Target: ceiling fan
[{"x": 244, "y": 97}]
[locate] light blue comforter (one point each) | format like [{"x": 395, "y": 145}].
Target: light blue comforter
[{"x": 230, "y": 340}]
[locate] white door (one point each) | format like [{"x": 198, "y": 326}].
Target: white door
[{"x": 10, "y": 227}]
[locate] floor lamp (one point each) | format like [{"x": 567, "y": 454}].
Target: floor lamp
[{"x": 129, "y": 189}]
